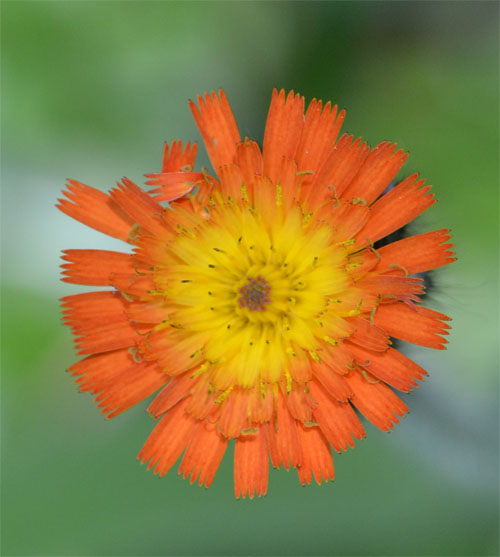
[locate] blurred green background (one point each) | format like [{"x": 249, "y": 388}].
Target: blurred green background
[{"x": 90, "y": 90}]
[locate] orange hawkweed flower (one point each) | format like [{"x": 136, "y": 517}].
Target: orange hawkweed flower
[{"x": 255, "y": 300}]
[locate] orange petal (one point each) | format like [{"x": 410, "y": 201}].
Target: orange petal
[
  {"x": 376, "y": 173},
  {"x": 234, "y": 414},
  {"x": 167, "y": 440},
  {"x": 285, "y": 121},
  {"x": 119, "y": 381},
  {"x": 134, "y": 284},
  {"x": 362, "y": 262},
  {"x": 93, "y": 309},
  {"x": 395, "y": 209},
  {"x": 231, "y": 181},
  {"x": 95, "y": 372},
  {"x": 176, "y": 390},
  {"x": 174, "y": 353},
  {"x": 419, "y": 253},
  {"x": 272, "y": 444},
  {"x": 335, "y": 384},
  {"x": 96, "y": 209},
  {"x": 337, "y": 171},
  {"x": 316, "y": 456},
  {"x": 347, "y": 218},
  {"x": 176, "y": 177},
  {"x": 300, "y": 368},
  {"x": 368, "y": 335},
  {"x": 202, "y": 402},
  {"x": 249, "y": 159},
  {"x": 338, "y": 357},
  {"x": 147, "y": 312},
  {"x": 289, "y": 182},
  {"x": 337, "y": 420},
  {"x": 258, "y": 189},
  {"x": 391, "y": 366},
  {"x": 177, "y": 160},
  {"x": 131, "y": 387},
  {"x": 140, "y": 206},
  {"x": 99, "y": 322},
  {"x": 297, "y": 403},
  {"x": 251, "y": 465},
  {"x": 286, "y": 437},
  {"x": 108, "y": 337},
  {"x": 261, "y": 404},
  {"x": 376, "y": 401},
  {"x": 174, "y": 184},
  {"x": 94, "y": 267},
  {"x": 391, "y": 286},
  {"x": 414, "y": 324},
  {"x": 217, "y": 127},
  {"x": 203, "y": 454},
  {"x": 321, "y": 128}
]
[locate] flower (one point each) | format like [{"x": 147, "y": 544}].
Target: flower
[{"x": 256, "y": 300}]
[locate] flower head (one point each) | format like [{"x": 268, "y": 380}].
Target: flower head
[{"x": 255, "y": 301}]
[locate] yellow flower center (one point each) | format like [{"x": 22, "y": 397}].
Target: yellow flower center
[{"x": 254, "y": 294}]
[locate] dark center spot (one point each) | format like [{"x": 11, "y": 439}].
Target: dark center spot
[{"x": 255, "y": 294}]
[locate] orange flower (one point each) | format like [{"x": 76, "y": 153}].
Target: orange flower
[{"x": 256, "y": 300}]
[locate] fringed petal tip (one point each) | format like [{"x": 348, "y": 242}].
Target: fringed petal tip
[{"x": 217, "y": 127}]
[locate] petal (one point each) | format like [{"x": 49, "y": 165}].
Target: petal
[
  {"x": 419, "y": 253},
  {"x": 285, "y": 121},
  {"x": 108, "y": 337},
  {"x": 167, "y": 440},
  {"x": 286, "y": 437},
  {"x": 337, "y": 171},
  {"x": 376, "y": 173},
  {"x": 396, "y": 208},
  {"x": 119, "y": 381},
  {"x": 261, "y": 403},
  {"x": 177, "y": 160},
  {"x": 140, "y": 206},
  {"x": 234, "y": 414},
  {"x": 93, "y": 309},
  {"x": 249, "y": 159},
  {"x": 203, "y": 401},
  {"x": 176, "y": 390},
  {"x": 231, "y": 181},
  {"x": 174, "y": 185},
  {"x": 96, "y": 209},
  {"x": 203, "y": 454},
  {"x": 134, "y": 285},
  {"x": 176, "y": 351},
  {"x": 100, "y": 323},
  {"x": 321, "y": 128},
  {"x": 251, "y": 465},
  {"x": 316, "y": 456},
  {"x": 368, "y": 335},
  {"x": 391, "y": 366},
  {"x": 415, "y": 324},
  {"x": 376, "y": 401},
  {"x": 337, "y": 420},
  {"x": 297, "y": 403},
  {"x": 95, "y": 267},
  {"x": 148, "y": 312},
  {"x": 347, "y": 218},
  {"x": 335, "y": 384},
  {"x": 290, "y": 182},
  {"x": 217, "y": 127},
  {"x": 392, "y": 286}
]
